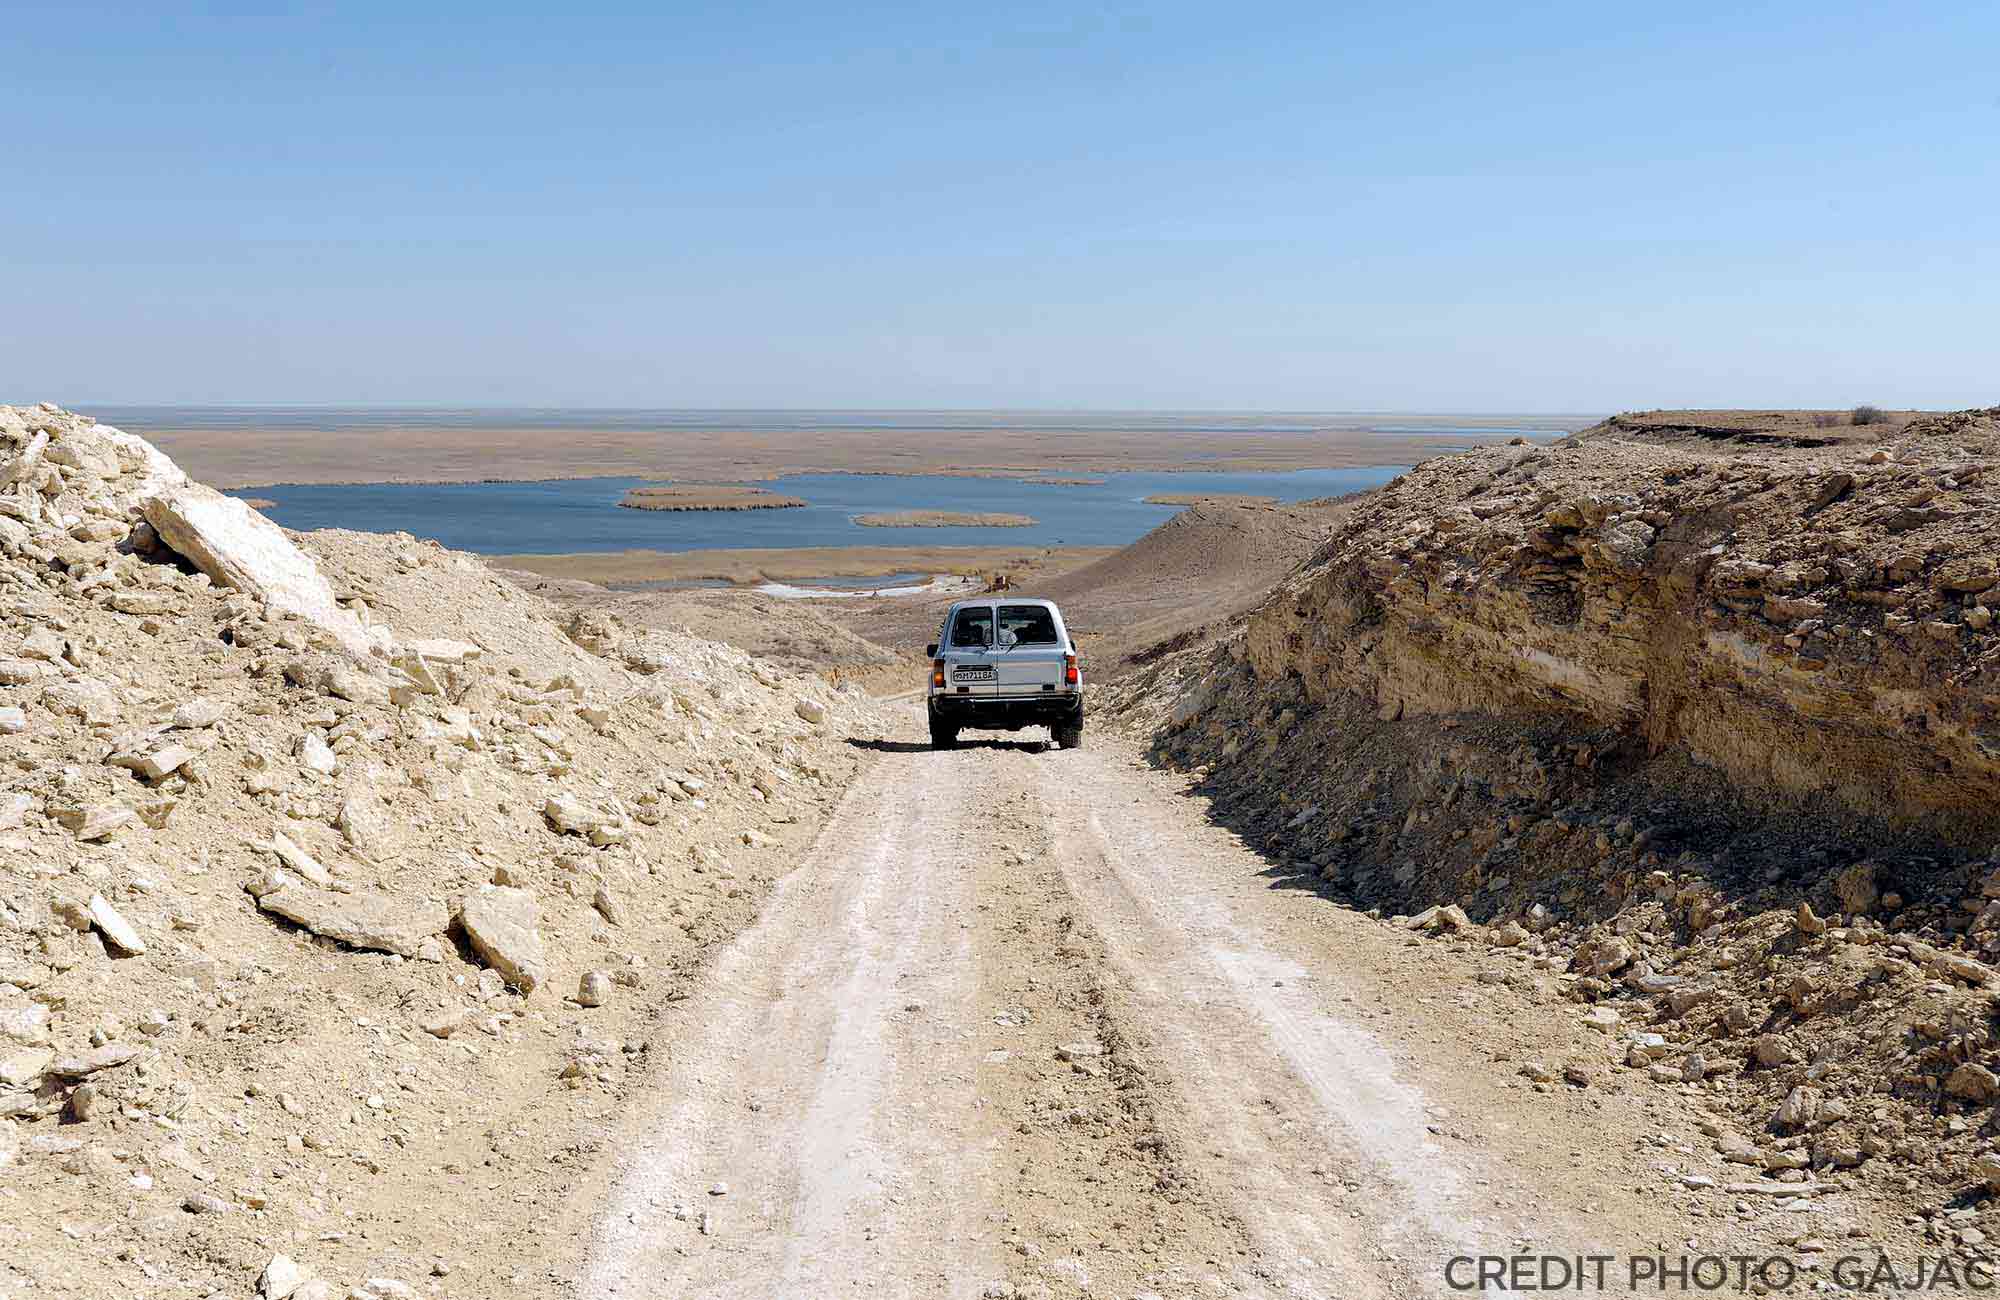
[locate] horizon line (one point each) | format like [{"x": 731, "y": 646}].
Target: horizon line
[{"x": 82, "y": 406}]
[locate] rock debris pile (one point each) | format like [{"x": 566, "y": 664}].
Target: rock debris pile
[{"x": 335, "y": 875}]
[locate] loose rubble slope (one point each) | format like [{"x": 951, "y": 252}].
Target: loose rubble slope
[
  {"x": 335, "y": 903},
  {"x": 1698, "y": 728}
]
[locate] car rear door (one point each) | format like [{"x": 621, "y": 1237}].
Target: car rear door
[
  {"x": 968, "y": 652},
  {"x": 1029, "y": 650}
]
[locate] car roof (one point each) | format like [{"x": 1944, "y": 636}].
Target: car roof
[{"x": 1004, "y": 600}]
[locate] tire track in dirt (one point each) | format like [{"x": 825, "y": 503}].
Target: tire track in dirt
[
  {"x": 1304, "y": 1128},
  {"x": 1094, "y": 1194},
  {"x": 815, "y": 1089},
  {"x": 909, "y": 1075}
]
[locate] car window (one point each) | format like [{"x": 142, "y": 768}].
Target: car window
[
  {"x": 1027, "y": 625},
  {"x": 973, "y": 627}
]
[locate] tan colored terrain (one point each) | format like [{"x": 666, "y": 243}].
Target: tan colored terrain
[
  {"x": 234, "y": 458},
  {"x": 943, "y": 519},
  {"x": 702, "y": 496}
]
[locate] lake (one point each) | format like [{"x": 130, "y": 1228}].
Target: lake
[{"x": 570, "y": 515}]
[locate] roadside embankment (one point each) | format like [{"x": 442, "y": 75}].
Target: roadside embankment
[{"x": 1702, "y": 722}]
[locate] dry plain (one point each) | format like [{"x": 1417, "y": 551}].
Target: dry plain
[{"x": 236, "y": 458}]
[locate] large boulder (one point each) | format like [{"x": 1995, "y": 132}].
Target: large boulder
[
  {"x": 373, "y": 921},
  {"x": 499, "y": 922},
  {"x": 237, "y": 547}
]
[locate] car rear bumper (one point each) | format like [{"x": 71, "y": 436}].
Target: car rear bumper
[{"x": 1008, "y": 710}]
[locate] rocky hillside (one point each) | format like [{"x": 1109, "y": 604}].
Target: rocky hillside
[
  {"x": 797, "y": 635},
  {"x": 337, "y": 877},
  {"x": 1701, "y": 728},
  {"x": 1811, "y": 623}
]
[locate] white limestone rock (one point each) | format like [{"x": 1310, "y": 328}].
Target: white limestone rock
[{"x": 239, "y": 548}]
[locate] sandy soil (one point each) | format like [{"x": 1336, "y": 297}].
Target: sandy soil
[
  {"x": 1061, "y": 1046},
  {"x": 703, "y": 496},
  {"x": 944, "y": 519},
  {"x": 235, "y": 458},
  {"x": 747, "y": 567}
]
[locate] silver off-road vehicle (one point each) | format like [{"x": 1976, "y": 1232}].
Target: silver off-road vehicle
[{"x": 1002, "y": 663}]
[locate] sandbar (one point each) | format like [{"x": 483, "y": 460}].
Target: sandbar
[
  {"x": 704, "y": 496},
  {"x": 943, "y": 519}
]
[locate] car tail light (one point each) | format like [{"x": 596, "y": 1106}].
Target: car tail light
[
  {"x": 937, "y": 672},
  {"x": 1070, "y": 674}
]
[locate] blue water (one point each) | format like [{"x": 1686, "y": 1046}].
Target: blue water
[{"x": 583, "y": 515}]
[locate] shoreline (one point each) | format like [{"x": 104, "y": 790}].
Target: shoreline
[{"x": 745, "y": 568}]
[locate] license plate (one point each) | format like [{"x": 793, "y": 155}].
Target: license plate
[{"x": 972, "y": 674}]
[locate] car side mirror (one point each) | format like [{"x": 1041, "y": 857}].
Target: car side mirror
[{"x": 930, "y": 651}]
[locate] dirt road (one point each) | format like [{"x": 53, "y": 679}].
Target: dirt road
[{"x": 1028, "y": 1023}]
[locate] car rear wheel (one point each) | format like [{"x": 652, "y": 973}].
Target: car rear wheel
[
  {"x": 943, "y": 735},
  {"x": 1068, "y": 735}
]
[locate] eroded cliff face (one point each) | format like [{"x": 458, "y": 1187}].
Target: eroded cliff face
[
  {"x": 1689, "y": 734},
  {"x": 1809, "y": 621}
]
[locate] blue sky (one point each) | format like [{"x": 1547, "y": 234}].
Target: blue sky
[{"x": 1425, "y": 206}]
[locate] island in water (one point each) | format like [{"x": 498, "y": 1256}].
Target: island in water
[
  {"x": 943, "y": 519},
  {"x": 706, "y": 496}
]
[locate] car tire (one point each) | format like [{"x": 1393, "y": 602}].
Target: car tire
[
  {"x": 1068, "y": 735},
  {"x": 943, "y": 735}
]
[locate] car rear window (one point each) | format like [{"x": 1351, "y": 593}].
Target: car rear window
[
  {"x": 1027, "y": 625},
  {"x": 973, "y": 627}
]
